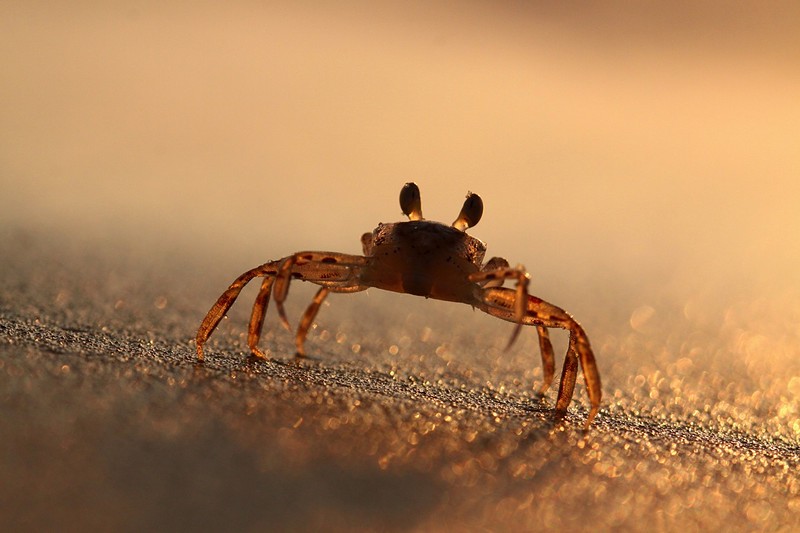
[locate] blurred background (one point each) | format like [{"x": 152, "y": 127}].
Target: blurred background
[{"x": 612, "y": 144}]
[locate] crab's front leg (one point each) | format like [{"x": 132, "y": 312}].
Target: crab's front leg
[
  {"x": 493, "y": 274},
  {"x": 502, "y": 303},
  {"x": 496, "y": 276},
  {"x": 548, "y": 359}
]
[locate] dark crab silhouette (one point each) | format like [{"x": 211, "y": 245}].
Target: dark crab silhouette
[{"x": 428, "y": 259}]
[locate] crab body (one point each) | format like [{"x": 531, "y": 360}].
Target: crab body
[{"x": 423, "y": 258}]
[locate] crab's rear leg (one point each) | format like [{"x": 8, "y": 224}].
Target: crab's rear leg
[
  {"x": 308, "y": 319},
  {"x": 257, "y": 317},
  {"x": 323, "y": 268},
  {"x": 313, "y": 309},
  {"x": 317, "y": 267},
  {"x": 502, "y": 303},
  {"x": 334, "y": 271},
  {"x": 225, "y": 301},
  {"x": 282, "y": 279}
]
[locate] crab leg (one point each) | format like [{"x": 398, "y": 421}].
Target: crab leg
[
  {"x": 501, "y": 302},
  {"x": 323, "y": 268},
  {"x": 317, "y": 267},
  {"x": 566, "y": 387},
  {"x": 493, "y": 274},
  {"x": 225, "y": 301},
  {"x": 282, "y": 287},
  {"x": 489, "y": 277},
  {"x": 257, "y": 317},
  {"x": 548, "y": 358},
  {"x": 308, "y": 319},
  {"x": 313, "y": 308},
  {"x": 333, "y": 270}
]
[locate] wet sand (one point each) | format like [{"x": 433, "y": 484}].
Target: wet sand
[{"x": 407, "y": 415}]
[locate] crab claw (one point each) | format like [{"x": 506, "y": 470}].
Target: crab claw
[{"x": 470, "y": 213}]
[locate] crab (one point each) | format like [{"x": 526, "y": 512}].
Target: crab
[{"x": 423, "y": 258}]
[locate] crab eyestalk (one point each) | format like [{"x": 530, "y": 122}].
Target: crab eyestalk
[
  {"x": 410, "y": 201},
  {"x": 471, "y": 213}
]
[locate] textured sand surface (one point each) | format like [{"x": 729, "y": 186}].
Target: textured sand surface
[{"x": 408, "y": 414}]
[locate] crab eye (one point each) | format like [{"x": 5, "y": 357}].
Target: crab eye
[
  {"x": 470, "y": 213},
  {"x": 410, "y": 201}
]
